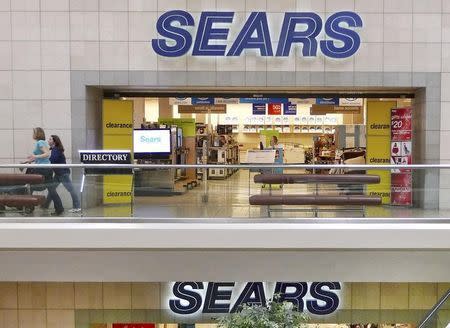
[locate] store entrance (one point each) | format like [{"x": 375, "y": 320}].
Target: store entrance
[{"x": 243, "y": 128}]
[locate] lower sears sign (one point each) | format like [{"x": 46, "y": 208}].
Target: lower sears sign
[{"x": 193, "y": 298}]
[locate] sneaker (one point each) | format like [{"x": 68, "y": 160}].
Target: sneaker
[
  {"x": 75, "y": 210},
  {"x": 57, "y": 213}
]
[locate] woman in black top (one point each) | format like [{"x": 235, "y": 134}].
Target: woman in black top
[{"x": 62, "y": 175}]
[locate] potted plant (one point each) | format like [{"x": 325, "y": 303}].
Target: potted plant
[{"x": 273, "y": 315}]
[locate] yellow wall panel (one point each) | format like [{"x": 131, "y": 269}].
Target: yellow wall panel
[
  {"x": 422, "y": 295},
  {"x": 365, "y": 296},
  {"x": 145, "y": 296},
  {"x": 394, "y": 296},
  {"x": 8, "y": 319},
  {"x": 346, "y": 296},
  {"x": 8, "y": 295},
  {"x": 32, "y": 295},
  {"x": 60, "y": 319},
  {"x": 60, "y": 295},
  {"x": 32, "y": 318},
  {"x": 88, "y": 295},
  {"x": 117, "y": 295}
]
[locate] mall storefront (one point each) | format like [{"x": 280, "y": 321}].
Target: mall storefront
[
  {"x": 95, "y": 305},
  {"x": 89, "y": 52}
]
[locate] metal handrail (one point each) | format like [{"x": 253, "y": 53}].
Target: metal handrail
[
  {"x": 233, "y": 166},
  {"x": 434, "y": 309}
]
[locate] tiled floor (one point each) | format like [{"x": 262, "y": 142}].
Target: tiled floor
[{"x": 229, "y": 199}]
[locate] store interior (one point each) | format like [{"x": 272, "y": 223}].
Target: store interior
[{"x": 246, "y": 130}]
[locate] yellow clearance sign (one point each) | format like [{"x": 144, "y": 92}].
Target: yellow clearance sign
[
  {"x": 379, "y": 117},
  {"x": 117, "y": 134},
  {"x": 118, "y": 117},
  {"x": 378, "y": 145}
]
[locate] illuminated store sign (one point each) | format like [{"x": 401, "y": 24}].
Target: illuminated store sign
[
  {"x": 190, "y": 298},
  {"x": 340, "y": 39}
]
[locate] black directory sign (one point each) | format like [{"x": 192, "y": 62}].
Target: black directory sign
[{"x": 106, "y": 157}]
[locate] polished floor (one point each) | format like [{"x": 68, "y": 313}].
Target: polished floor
[{"x": 228, "y": 198}]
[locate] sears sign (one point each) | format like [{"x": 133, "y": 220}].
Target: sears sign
[
  {"x": 189, "y": 298},
  {"x": 213, "y": 28}
]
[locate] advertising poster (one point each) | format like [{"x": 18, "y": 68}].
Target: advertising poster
[
  {"x": 401, "y": 154},
  {"x": 275, "y": 109},
  {"x": 180, "y": 101},
  {"x": 303, "y": 101},
  {"x": 349, "y": 102},
  {"x": 289, "y": 109},
  {"x": 259, "y": 109},
  {"x": 327, "y": 101},
  {"x": 226, "y": 101},
  {"x": 202, "y": 101}
]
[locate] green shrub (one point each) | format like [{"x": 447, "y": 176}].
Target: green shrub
[{"x": 273, "y": 315}]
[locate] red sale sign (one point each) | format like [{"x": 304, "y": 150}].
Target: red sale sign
[
  {"x": 401, "y": 124},
  {"x": 401, "y": 154},
  {"x": 275, "y": 109},
  {"x": 133, "y": 325}
]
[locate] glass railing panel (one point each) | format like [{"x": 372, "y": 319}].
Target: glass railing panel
[{"x": 230, "y": 192}]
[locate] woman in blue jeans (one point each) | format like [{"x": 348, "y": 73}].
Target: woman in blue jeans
[
  {"x": 41, "y": 155},
  {"x": 61, "y": 175}
]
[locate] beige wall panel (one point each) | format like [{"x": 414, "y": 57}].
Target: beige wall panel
[
  {"x": 32, "y": 295},
  {"x": 89, "y": 295},
  {"x": 117, "y": 295},
  {"x": 32, "y": 319},
  {"x": 60, "y": 319},
  {"x": 365, "y": 296},
  {"x": 60, "y": 295},
  {"x": 145, "y": 296},
  {"x": 394, "y": 296},
  {"x": 422, "y": 295},
  {"x": 8, "y": 295},
  {"x": 8, "y": 319}
]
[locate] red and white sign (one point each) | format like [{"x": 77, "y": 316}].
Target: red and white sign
[
  {"x": 401, "y": 189},
  {"x": 401, "y": 154},
  {"x": 275, "y": 109},
  {"x": 133, "y": 325},
  {"x": 401, "y": 124}
]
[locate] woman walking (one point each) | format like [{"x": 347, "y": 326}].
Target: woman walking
[
  {"x": 61, "y": 175},
  {"x": 41, "y": 155}
]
